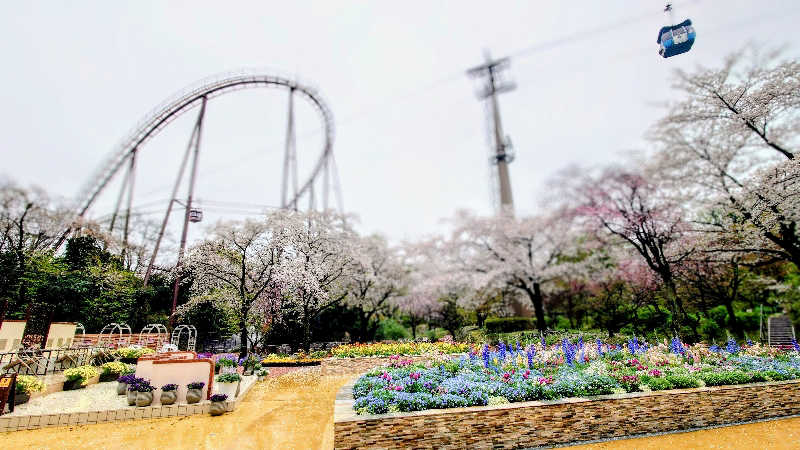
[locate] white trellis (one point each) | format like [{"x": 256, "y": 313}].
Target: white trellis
[
  {"x": 79, "y": 327},
  {"x": 190, "y": 331},
  {"x": 145, "y": 338},
  {"x": 108, "y": 331}
]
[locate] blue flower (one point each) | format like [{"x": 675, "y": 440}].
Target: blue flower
[
  {"x": 676, "y": 346},
  {"x": 732, "y": 347}
]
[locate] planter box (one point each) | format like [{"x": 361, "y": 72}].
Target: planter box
[
  {"x": 547, "y": 423},
  {"x": 21, "y": 398},
  {"x": 108, "y": 377},
  {"x": 72, "y": 385}
]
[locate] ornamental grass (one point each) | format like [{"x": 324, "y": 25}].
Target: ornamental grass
[{"x": 570, "y": 369}]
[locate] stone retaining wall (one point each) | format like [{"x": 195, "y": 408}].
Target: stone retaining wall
[{"x": 541, "y": 423}]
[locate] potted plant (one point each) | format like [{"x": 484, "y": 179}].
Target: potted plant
[
  {"x": 130, "y": 355},
  {"x": 217, "y": 404},
  {"x": 249, "y": 364},
  {"x": 227, "y": 383},
  {"x": 195, "y": 392},
  {"x": 262, "y": 373},
  {"x": 77, "y": 377},
  {"x": 112, "y": 370},
  {"x": 123, "y": 382},
  {"x": 132, "y": 392},
  {"x": 144, "y": 393},
  {"x": 226, "y": 364},
  {"x": 169, "y": 393},
  {"x": 27, "y": 385}
]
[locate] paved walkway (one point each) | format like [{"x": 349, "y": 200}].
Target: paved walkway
[
  {"x": 290, "y": 412},
  {"x": 296, "y": 412},
  {"x": 771, "y": 434}
]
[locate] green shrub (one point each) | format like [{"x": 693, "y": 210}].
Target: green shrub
[
  {"x": 659, "y": 383},
  {"x": 724, "y": 378},
  {"x": 774, "y": 375},
  {"x": 508, "y": 324},
  {"x": 228, "y": 378},
  {"x": 680, "y": 381},
  {"x": 391, "y": 330}
]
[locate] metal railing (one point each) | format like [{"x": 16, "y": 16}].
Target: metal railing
[{"x": 36, "y": 361}]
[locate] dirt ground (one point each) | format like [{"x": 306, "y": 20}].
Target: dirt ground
[{"x": 296, "y": 412}]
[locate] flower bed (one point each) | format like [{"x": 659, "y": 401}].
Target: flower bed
[
  {"x": 291, "y": 363},
  {"x": 540, "y": 372},
  {"x": 399, "y": 348}
]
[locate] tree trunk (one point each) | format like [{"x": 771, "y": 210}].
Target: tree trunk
[
  {"x": 243, "y": 337},
  {"x": 538, "y": 305},
  {"x": 306, "y": 331}
]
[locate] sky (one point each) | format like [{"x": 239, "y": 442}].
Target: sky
[{"x": 410, "y": 142}]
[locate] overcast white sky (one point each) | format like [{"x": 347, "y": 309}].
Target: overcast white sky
[{"x": 410, "y": 133}]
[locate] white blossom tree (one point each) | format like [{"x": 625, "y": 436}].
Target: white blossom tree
[
  {"x": 240, "y": 264},
  {"x": 518, "y": 253},
  {"x": 376, "y": 276},
  {"x": 319, "y": 257},
  {"x": 718, "y": 146}
]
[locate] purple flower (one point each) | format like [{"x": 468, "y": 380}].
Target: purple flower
[
  {"x": 531, "y": 354},
  {"x": 127, "y": 379},
  {"x": 169, "y": 387},
  {"x": 196, "y": 385},
  {"x": 219, "y": 397}
]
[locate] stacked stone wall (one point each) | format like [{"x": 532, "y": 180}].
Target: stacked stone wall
[{"x": 532, "y": 424}]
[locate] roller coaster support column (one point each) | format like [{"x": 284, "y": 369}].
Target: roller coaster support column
[
  {"x": 175, "y": 188},
  {"x": 186, "y": 216}
]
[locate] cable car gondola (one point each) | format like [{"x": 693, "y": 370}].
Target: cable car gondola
[
  {"x": 195, "y": 215},
  {"x": 675, "y": 39}
]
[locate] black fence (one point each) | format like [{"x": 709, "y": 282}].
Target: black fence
[{"x": 36, "y": 361}]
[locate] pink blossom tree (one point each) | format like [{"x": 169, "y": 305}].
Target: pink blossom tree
[{"x": 619, "y": 205}]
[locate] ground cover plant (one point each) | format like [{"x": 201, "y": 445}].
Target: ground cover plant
[
  {"x": 512, "y": 373},
  {"x": 399, "y": 348}
]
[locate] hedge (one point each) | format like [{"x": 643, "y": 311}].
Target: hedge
[{"x": 508, "y": 324}]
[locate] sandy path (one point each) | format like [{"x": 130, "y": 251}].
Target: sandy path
[
  {"x": 296, "y": 412},
  {"x": 288, "y": 412},
  {"x": 771, "y": 434}
]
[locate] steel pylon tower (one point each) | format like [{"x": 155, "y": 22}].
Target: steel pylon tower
[{"x": 491, "y": 72}]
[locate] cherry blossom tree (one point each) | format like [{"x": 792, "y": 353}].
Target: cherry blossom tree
[
  {"x": 502, "y": 251},
  {"x": 724, "y": 147},
  {"x": 240, "y": 264},
  {"x": 320, "y": 256},
  {"x": 622, "y": 205},
  {"x": 752, "y": 98},
  {"x": 376, "y": 276}
]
